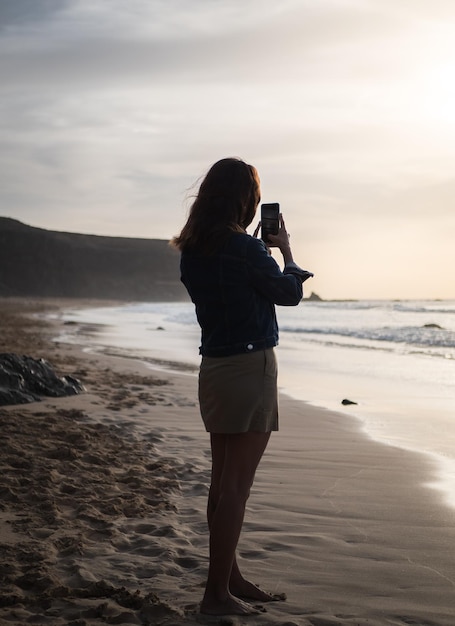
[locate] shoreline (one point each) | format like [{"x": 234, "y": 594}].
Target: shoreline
[
  {"x": 335, "y": 517},
  {"x": 409, "y": 413},
  {"x": 374, "y": 403}
]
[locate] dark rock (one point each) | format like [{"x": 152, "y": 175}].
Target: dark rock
[
  {"x": 24, "y": 379},
  {"x": 347, "y": 402},
  {"x": 314, "y": 297},
  {"x": 432, "y": 326}
]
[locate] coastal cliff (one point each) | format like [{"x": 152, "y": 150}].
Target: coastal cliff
[{"x": 36, "y": 262}]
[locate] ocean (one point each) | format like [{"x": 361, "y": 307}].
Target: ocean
[{"x": 394, "y": 359}]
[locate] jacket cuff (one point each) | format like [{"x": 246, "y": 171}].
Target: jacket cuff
[{"x": 293, "y": 268}]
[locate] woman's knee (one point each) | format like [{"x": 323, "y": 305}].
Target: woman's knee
[{"x": 238, "y": 490}]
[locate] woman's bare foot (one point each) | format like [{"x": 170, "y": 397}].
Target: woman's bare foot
[
  {"x": 229, "y": 606},
  {"x": 244, "y": 589}
]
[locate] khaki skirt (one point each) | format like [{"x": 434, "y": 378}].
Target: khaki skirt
[{"x": 238, "y": 393}]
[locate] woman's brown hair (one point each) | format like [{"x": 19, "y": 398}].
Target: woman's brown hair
[{"x": 226, "y": 202}]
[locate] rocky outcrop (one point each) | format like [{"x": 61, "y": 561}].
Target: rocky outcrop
[
  {"x": 25, "y": 379},
  {"x": 314, "y": 297}
]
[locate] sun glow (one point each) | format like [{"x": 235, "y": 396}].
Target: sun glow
[{"x": 438, "y": 94}]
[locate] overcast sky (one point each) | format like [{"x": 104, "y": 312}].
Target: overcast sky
[{"x": 110, "y": 110}]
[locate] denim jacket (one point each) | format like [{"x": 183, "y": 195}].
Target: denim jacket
[{"x": 235, "y": 292}]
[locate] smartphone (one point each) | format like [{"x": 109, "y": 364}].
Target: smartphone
[{"x": 270, "y": 220}]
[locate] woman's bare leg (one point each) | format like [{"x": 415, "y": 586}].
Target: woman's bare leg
[
  {"x": 234, "y": 462},
  {"x": 238, "y": 585}
]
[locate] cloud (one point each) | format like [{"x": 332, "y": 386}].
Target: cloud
[
  {"x": 109, "y": 111},
  {"x": 174, "y": 42},
  {"x": 25, "y": 12}
]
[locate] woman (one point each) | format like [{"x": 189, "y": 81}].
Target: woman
[{"x": 234, "y": 284}]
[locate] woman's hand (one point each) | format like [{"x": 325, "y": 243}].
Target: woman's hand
[{"x": 281, "y": 241}]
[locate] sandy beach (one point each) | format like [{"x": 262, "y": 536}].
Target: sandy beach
[{"x": 102, "y": 515}]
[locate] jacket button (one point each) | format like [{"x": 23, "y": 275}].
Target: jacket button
[{"x": 250, "y": 346}]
